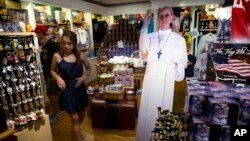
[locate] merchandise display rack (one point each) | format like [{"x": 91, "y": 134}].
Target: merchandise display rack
[{"x": 21, "y": 94}]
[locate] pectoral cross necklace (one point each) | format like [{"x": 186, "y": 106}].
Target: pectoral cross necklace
[{"x": 159, "y": 53}]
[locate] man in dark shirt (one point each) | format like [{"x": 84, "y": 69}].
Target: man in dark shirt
[{"x": 47, "y": 48}]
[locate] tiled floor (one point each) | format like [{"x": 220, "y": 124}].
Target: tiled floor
[{"x": 61, "y": 130}]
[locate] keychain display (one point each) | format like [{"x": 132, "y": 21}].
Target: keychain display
[{"x": 20, "y": 86}]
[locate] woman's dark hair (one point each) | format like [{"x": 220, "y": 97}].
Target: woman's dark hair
[{"x": 72, "y": 37}]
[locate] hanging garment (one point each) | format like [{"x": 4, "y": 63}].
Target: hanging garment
[
  {"x": 240, "y": 32},
  {"x": 223, "y": 15},
  {"x": 200, "y": 67},
  {"x": 203, "y": 43},
  {"x": 81, "y": 38},
  {"x": 247, "y": 12}
]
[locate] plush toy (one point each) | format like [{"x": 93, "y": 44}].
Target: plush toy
[{"x": 203, "y": 15}]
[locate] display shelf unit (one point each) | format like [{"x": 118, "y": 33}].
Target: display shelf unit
[
  {"x": 208, "y": 25},
  {"x": 123, "y": 31},
  {"x": 22, "y": 94},
  {"x": 18, "y": 15}
]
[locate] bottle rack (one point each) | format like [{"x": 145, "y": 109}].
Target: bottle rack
[
  {"x": 169, "y": 126},
  {"x": 122, "y": 31},
  {"x": 20, "y": 84}
]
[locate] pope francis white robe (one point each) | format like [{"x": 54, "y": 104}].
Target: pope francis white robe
[{"x": 166, "y": 61}]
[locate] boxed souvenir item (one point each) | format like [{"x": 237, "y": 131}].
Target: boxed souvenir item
[
  {"x": 198, "y": 129},
  {"x": 225, "y": 136},
  {"x": 245, "y": 108},
  {"x": 223, "y": 111},
  {"x": 197, "y": 102}
]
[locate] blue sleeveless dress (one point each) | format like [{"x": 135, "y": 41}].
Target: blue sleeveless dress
[{"x": 74, "y": 99}]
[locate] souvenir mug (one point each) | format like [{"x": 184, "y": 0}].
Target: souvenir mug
[
  {"x": 14, "y": 44},
  {"x": 7, "y": 45},
  {"x": 19, "y": 45},
  {"x": 31, "y": 45},
  {"x": 22, "y": 56},
  {"x": 26, "y": 46},
  {"x": 15, "y": 55},
  {"x": 10, "y": 58}
]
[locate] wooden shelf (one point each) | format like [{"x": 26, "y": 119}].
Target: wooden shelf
[
  {"x": 17, "y": 33},
  {"x": 208, "y": 29},
  {"x": 208, "y": 19},
  {"x": 63, "y": 23},
  {"x": 49, "y": 25},
  {"x": 128, "y": 88},
  {"x": 184, "y": 33},
  {"x": 6, "y": 133},
  {"x": 78, "y": 22}
]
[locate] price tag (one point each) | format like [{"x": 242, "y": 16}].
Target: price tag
[
  {"x": 11, "y": 124},
  {"x": 33, "y": 116},
  {"x": 22, "y": 120},
  {"x": 42, "y": 111}
]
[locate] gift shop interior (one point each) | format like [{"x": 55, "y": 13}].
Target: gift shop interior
[{"x": 211, "y": 99}]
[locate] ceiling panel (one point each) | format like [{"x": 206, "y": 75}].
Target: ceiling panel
[{"x": 116, "y": 2}]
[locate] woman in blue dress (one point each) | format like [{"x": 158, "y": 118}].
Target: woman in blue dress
[{"x": 67, "y": 69}]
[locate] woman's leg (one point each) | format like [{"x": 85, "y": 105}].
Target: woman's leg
[
  {"x": 75, "y": 123},
  {"x": 82, "y": 116}
]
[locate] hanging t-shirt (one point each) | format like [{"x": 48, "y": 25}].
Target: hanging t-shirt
[
  {"x": 204, "y": 42},
  {"x": 240, "y": 32},
  {"x": 200, "y": 67},
  {"x": 223, "y": 15},
  {"x": 185, "y": 24},
  {"x": 247, "y": 11},
  {"x": 81, "y": 38}
]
